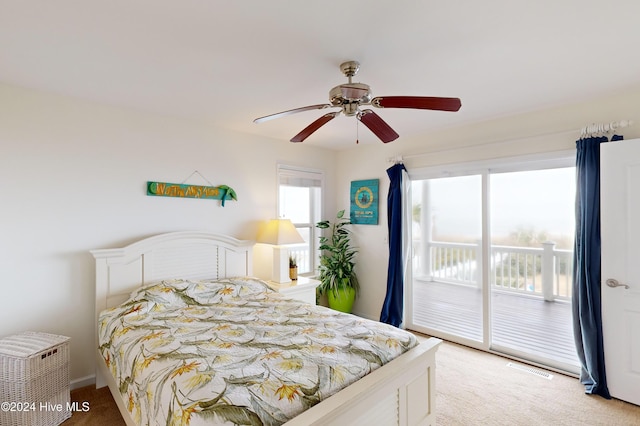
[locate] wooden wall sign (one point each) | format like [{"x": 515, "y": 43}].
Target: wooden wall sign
[
  {"x": 364, "y": 202},
  {"x": 165, "y": 189}
]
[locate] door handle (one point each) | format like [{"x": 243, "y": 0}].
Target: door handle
[{"x": 612, "y": 282}]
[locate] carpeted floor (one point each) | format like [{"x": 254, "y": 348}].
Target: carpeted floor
[
  {"x": 477, "y": 388},
  {"x": 473, "y": 388}
]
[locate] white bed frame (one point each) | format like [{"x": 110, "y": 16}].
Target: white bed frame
[{"x": 400, "y": 393}]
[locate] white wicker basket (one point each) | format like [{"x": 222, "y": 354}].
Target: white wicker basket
[{"x": 34, "y": 379}]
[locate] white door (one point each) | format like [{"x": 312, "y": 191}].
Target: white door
[{"x": 620, "y": 227}]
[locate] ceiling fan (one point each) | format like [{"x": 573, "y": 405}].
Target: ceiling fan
[{"x": 351, "y": 96}]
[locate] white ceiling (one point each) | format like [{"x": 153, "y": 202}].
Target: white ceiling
[{"x": 230, "y": 61}]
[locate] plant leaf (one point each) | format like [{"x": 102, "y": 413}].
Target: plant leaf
[{"x": 337, "y": 264}]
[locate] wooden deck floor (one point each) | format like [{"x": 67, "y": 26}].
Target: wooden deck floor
[{"x": 520, "y": 324}]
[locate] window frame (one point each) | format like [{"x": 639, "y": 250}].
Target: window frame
[{"x": 310, "y": 175}]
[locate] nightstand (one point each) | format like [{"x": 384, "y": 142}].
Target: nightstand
[{"x": 303, "y": 289}]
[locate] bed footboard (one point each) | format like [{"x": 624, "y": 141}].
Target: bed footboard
[{"x": 400, "y": 393}]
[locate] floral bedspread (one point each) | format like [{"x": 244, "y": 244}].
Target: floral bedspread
[{"x": 233, "y": 351}]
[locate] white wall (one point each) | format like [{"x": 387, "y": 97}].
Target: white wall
[
  {"x": 72, "y": 178},
  {"x": 557, "y": 130}
]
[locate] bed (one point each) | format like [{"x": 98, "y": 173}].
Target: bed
[{"x": 190, "y": 270}]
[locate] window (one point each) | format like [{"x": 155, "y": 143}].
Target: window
[{"x": 300, "y": 200}]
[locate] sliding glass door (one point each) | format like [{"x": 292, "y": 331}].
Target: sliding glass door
[
  {"x": 532, "y": 233},
  {"x": 492, "y": 254},
  {"x": 447, "y": 242}
]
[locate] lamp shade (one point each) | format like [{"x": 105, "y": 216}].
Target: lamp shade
[{"x": 279, "y": 232}]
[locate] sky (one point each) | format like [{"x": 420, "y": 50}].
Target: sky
[{"x": 540, "y": 200}]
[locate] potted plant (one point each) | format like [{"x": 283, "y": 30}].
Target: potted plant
[
  {"x": 338, "y": 278},
  {"x": 293, "y": 267}
]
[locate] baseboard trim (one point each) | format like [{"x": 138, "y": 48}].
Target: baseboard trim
[{"x": 83, "y": 382}]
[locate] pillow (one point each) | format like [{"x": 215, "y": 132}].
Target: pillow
[{"x": 180, "y": 292}]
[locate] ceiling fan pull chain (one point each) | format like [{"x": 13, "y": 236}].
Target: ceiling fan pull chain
[{"x": 357, "y": 131}]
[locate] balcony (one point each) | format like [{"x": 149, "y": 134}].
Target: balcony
[{"x": 530, "y": 298}]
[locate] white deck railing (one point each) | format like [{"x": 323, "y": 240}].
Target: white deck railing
[
  {"x": 454, "y": 262},
  {"x": 303, "y": 258},
  {"x": 544, "y": 271}
]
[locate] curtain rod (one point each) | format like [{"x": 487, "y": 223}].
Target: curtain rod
[
  {"x": 612, "y": 126},
  {"x": 596, "y": 128}
]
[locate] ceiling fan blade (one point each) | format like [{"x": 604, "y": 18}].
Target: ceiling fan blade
[
  {"x": 417, "y": 102},
  {"x": 378, "y": 126},
  {"x": 307, "y": 131},
  {"x": 291, "y": 111}
]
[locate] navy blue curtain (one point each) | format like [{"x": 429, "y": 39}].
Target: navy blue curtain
[
  {"x": 587, "y": 312},
  {"x": 393, "y": 301}
]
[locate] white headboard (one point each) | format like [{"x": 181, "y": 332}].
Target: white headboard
[{"x": 188, "y": 254}]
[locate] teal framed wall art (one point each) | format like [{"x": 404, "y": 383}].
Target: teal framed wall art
[{"x": 364, "y": 202}]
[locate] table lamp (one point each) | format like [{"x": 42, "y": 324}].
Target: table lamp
[{"x": 279, "y": 233}]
